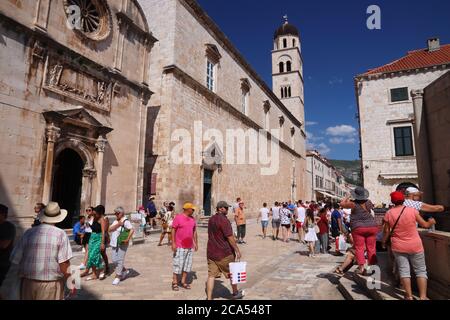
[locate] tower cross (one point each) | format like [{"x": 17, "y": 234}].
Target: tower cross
[{"x": 285, "y": 17}]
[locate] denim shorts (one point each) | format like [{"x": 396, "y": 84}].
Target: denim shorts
[{"x": 264, "y": 224}]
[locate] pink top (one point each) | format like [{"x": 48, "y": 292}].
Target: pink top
[
  {"x": 405, "y": 238},
  {"x": 184, "y": 231}
]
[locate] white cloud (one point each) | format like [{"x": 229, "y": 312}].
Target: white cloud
[
  {"x": 340, "y": 140},
  {"x": 311, "y": 123},
  {"x": 341, "y": 131},
  {"x": 311, "y": 137},
  {"x": 322, "y": 148}
]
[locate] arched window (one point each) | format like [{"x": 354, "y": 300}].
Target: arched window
[
  {"x": 281, "y": 64},
  {"x": 284, "y": 43},
  {"x": 288, "y": 66},
  {"x": 285, "y": 92},
  {"x": 293, "y": 42}
]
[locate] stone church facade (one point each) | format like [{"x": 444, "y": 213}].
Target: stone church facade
[
  {"x": 93, "y": 103},
  {"x": 73, "y": 101},
  {"x": 198, "y": 75}
]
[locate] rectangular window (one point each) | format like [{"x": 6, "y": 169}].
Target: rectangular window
[
  {"x": 399, "y": 94},
  {"x": 210, "y": 75},
  {"x": 403, "y": 141}
]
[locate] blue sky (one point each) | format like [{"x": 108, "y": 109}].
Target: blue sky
[{"x": 336, "y": 46}]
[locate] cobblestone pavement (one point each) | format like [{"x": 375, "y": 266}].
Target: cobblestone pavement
[{"x": 276, "y": 270}]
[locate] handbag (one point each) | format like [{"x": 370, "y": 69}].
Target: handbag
[
  {"x": 388, "y": 240},
  {"x": 124, "y": 233}
]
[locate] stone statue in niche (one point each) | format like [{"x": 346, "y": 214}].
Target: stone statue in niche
[{"x": 55, "y": 74}]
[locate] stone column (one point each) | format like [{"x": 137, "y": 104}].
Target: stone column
[
  {"x": 424, "y": 169},
  {"x": 52, "y": 134},
  {"x": 86, "y": 191},
  {"x": 100, "y": 146}
]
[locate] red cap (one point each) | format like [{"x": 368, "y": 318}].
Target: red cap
[{"x": 397, "y": 197}]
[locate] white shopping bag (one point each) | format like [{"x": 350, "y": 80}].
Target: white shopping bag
[
  {"x": 238, "y": 272},
  {"x": 342, "y": 243}
]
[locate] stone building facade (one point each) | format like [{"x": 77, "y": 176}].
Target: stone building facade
[
  {"x": 73, "y": 101},
  {"x": 385, "y": 106},
  {"x": 324, "y": 182},
  {"x": 202, "y": 88}
]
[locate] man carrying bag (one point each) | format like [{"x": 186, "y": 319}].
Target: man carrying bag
[{"x": 222, "y": 249}]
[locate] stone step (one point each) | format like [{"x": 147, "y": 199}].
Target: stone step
[{"x": 351, "y": 290}]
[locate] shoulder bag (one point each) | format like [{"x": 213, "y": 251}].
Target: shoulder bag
[{"x": 388, "y": 240}]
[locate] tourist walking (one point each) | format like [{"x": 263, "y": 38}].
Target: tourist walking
[
  {"x": 264, "y": 216},
  {"x": 87, "y": 235},
  {"x": 151, "y": 212},
  {"x": 364, "y": 227},
  {"x": 292, "y": 208},
  {"x": 96, "y": 243},
  {"x": 323, "y": 225},
  {"x": 184, "y": 242},
  {"x": 105, "y": 239},
  {"x": 166, "y": 223},
  {"x": 285, "y": 218},
  {"x": 239, "y": 218},
  {"x": 300, "y": 220},
  {"x": 7, "y": 236},
  {"x": 121, "y": 233},
  {"x": 401, "y": 232},
  {"x": 43, "y": 256},
  {"x": 221, "y": 250},
  {"x": 311, "y": 232},
  {"x": 275, "y": 213}
]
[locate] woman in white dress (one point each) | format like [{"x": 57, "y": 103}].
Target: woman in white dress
[{"x": 311, "y": 232}]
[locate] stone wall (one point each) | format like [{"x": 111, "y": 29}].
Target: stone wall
[{"x": 436, "y": 119}]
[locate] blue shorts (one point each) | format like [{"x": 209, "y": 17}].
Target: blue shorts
[{"x": 264, "y": 224}]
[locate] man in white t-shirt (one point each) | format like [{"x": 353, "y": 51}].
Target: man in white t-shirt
[
  {"x": 301, "y": 215},
  {"x": 264, "y": 215},
  {"x": 275, "y": 213}
]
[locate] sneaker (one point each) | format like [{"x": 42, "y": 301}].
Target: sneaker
[
  {"x": 239, "y": 295},
  {"x": 243, "y": 242},
  {"x": 82, "y": 266},
  {"x": 116, "y": 281},
  {"x": 125, "y": 274}
]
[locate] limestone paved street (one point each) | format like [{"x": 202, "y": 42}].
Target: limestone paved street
[{"x": 276, "y": 270}]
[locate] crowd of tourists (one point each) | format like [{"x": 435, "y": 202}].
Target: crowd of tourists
[{"x": 44, "y": 252}]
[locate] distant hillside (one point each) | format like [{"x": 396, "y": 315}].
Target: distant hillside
[{"x": 351, "y": 170}]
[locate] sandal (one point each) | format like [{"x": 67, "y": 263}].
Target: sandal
[
  {"x": 102, "y": 276},
  {"x": 186, "y": 286},
  {"x": 91, "y": 278},
  {"x": 339, "y": 271},
  {"x": 175, "y": 286}
]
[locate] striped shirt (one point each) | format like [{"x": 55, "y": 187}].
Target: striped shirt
[{"x": 40, "y": 251}]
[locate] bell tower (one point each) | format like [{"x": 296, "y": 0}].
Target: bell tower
[{"x": 287, "y": 69}]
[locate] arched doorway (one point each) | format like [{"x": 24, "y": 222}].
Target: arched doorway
[{"x": 66, "y": 187}]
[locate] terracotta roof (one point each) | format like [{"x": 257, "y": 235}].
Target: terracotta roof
[{"x": 415, "y": 60}]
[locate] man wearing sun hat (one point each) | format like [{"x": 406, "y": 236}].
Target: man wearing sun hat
[
  {"x": 43, "y": 256},
  {"x": 184, "y": 242}
]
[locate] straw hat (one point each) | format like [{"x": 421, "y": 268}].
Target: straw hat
[{"x": 53, "y": 213}]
